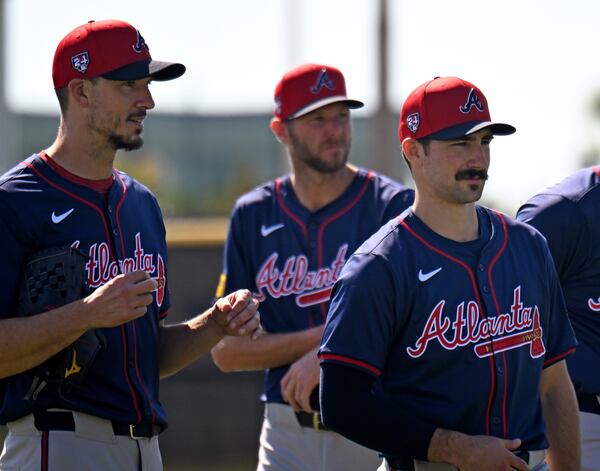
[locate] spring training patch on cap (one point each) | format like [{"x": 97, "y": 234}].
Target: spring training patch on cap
[
  {"x": 412, "y": 121},
  {"x": 80, "y": 62}
]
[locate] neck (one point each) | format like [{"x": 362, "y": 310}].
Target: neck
[
  {"x": 456, "y": 222},
  {"x": 315, "y": 190},
  {"x": 79, "y": 154}
]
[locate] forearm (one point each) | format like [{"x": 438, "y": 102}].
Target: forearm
[
  {"x": 379, "y": 422},
  {"x": 562, "y": 418},
  {"x": 26, "y": 342},
  {"x": 181, "y": 344},
  {"x": 265, "y": 351}
]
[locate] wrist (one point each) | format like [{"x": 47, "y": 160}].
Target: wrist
[{"x": 446, "y": 446}]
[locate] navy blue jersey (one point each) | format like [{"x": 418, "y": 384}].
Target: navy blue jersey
[
  {"x": 568, "y": 215},
  {"x": 290, "y": 257},
  {"x": 40, "y": 208},
  {"x": 456, "y": 333}
]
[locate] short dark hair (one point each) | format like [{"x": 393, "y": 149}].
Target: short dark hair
[
  {"x": 425, "y": 142},
  {"x": 63, "y": 96}
]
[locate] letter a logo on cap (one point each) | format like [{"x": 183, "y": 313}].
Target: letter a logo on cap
[
  {"x": 140, "y": 43},
  {"x": 472, "y": 101},
  {"x": 322, "y": 81}
]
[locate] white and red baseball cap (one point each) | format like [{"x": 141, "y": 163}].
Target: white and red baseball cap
[
  {"x": 308, "y": 87},
  {"x": 447, "y": 108},
  {"x": 112, "y": 49}
]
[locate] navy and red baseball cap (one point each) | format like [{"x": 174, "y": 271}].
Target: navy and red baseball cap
[
  {"x": 308, "y": 87},
  {"x": 112, "y": 49},
  {"x": 447, "y": 108}
]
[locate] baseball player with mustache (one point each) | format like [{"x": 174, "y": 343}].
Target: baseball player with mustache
[{"x": 447, "y": 333}]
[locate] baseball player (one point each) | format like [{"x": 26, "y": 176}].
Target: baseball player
[
  {"x": 71, "y": 194},
  {"x": 567, "y": 214},
  {"x": 447, "y": 332},
  {"x": 288, "y": 240}
]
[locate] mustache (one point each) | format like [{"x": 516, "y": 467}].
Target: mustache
[
  {"x": 138, "y": 115},
  {"x": 471, "y": 174}
]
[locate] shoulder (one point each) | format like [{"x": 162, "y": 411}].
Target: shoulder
[
  {"x": 260, "y": 195},
  {"x": 134, "y": 186},
  {"x": 576, "y": 192},
  {"x": 385, "y": 183},
  {"x": 21, "y": 173}
]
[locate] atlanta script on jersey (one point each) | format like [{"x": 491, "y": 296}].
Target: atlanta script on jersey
[
  {"x": 291, "y": 257},
  {"x": 426, "y": 315},
  {"x": 41, "y": 207},
  {"x": 568, "y": 215}
]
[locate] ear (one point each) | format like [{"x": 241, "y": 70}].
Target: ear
[
  {"x": 413, "y": 151},
  {"x": 79, "y": 91},
  {"x": 278, "y": 129}
]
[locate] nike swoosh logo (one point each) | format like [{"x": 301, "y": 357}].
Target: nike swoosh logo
[
  {"x": 56, "y": 218},
  {"x": 426, "y": 276},
  {"x": 265, "y": 231}
]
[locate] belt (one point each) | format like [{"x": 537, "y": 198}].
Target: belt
[
  {"x": 311, "y": 420},
  {"x": 532, "y": 458},
  {"x": 589, "y": 403},
  {"x": 63, "y": 420}
]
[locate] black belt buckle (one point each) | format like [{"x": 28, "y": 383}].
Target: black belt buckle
[{"x": 132, "y": 433}]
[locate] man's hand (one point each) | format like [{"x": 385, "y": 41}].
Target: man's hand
[
  {"x": 122, "y": 299},
  {"x": 475, "y": 452},
  {"x": 300, "y": 380},
  {"x": 237, "y": 313}
]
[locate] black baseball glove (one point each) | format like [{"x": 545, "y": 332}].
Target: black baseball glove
[{"x": 51, "y": 278}]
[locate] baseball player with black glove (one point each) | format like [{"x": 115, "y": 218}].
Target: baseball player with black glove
[
  {"x": 447, "y": 333},
  {"x": 84, "y": 278}
]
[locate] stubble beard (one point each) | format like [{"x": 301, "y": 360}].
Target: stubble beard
[{"x": 314, "y": 160}]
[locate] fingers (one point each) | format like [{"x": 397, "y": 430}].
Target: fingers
[
  {"x": 512, "y": 444},
  {"x": 237, "y": 314},
  {"x": 123, "y": 298}
]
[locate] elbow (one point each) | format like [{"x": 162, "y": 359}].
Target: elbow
[
  {"x": 221, "y": 359},
  {"x": 330, "y": 414}
]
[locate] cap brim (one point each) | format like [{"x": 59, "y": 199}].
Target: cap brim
[
  {"x": 464, "y": 129},
  {"x": 324, "y": 102},
  {"x": 159, "y": 71}
]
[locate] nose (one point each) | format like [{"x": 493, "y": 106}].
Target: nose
[
  {"x": 146, "y": 101},
  {"x": 336, "y": 126}
]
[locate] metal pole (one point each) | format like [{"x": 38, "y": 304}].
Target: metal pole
[
  {"x": 7, "y": 137},
  {"x": 386, "y": 156}
]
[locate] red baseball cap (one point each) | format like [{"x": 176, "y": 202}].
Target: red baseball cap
[
  {"x": 309, "y": 87},
  {"x": 112, "y": 49},
  {"x": 447, "y": 108}
]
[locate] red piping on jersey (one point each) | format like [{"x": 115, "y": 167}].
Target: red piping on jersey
[
  {"x": 117, "y": 209},
  {"x": 557, "y": 358},
  {"x": 286, "y": 210},
  {"x": 332, "y": 218},
  {"x": 78, "y": 198},
  {"x": 123, "y": 329},
  {"x": 131, "y": 390},
  {"x": 596, "y": 170},
  {"x": 44, "y": 451},
  {"x": 137, "y": 371},
  {"x": 497, "y": 305},
  {"x": 352, "y": 361},
  {"x": 479, "y": 305}
]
